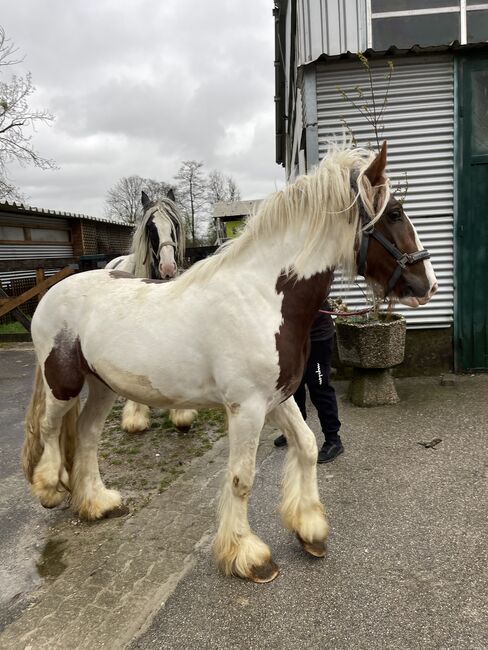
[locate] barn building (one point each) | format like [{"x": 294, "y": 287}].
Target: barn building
[
  {"x": 31, "y": 237},
  {"x": 436, "y": 124}
]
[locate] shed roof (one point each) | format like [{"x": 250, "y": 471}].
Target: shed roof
[
  {"x": 14, "y": 208},
  {"x": 228, "y": 209}
]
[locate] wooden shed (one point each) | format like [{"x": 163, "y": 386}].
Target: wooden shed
[{"x": 36, "y": 244}]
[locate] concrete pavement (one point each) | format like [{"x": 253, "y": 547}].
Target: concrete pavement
[
  {"x": 408, "y": 556},
  {"x": 407, "y": 562}
]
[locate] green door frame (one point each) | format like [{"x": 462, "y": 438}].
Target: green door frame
[{"x": 469, "y": 315}]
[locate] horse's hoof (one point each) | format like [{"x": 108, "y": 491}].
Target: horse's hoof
[
  {"x": 184, "y": 429},
  {"x": 264, "y": 572},
  {"x": 119, "y": 511},
  {"x": 49, "y": 506},
  {"x": 317, "y": 548},
  {"x": 50, "y": 497}
]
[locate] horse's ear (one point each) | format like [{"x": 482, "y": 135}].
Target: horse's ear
[
  {"x": 171, "y": 194},
  {"x": 145, "y": 200},
  {"x": 376, "y": 171}
]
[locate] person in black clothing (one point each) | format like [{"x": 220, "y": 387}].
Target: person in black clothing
[{"x": 317, "y": 379}]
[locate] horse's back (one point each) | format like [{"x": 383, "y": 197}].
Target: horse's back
[{"x": 122, "y": 263}]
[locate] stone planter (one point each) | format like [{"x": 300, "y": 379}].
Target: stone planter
[{"x": 372, "y": 348}]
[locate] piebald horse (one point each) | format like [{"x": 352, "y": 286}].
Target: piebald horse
[
  {"x": 232, "y": 331},
  {"x": 158, "y": 246}
]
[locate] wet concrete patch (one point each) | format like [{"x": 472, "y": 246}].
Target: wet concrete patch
[{"x": 50, "y": 565}]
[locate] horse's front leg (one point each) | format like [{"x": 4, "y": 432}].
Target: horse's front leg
[
  {"x": 238, "y": 551},
  {"x": 301, "y": 509},
  {"x": 135, "y": 417}
]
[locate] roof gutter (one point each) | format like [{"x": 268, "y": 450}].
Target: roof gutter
[{"x": 279, "y": 13}]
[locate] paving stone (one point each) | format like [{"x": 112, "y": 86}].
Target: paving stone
[{"x": 108, "y": 599}]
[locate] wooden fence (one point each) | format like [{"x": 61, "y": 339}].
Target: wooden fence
[{"x": 11, "y": 304}]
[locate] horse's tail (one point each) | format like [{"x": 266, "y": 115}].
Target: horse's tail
[{"x": 33, "y": 447}]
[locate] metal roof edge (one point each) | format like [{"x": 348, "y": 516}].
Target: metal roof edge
[
  {"x": 392, "y": 51},
  {"x": 34, "y": 211}
]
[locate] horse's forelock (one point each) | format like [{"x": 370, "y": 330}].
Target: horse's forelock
[{"x": 165, "y": 209}]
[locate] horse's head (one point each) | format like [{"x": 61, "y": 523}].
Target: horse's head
[
  {"x": 390, "y": 255},
  {"x": 164, "y": 234}
]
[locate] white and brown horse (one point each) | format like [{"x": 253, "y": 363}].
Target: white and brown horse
[
  {"x": 231, "y": 331},
  {"x": 158, "y": 246}
]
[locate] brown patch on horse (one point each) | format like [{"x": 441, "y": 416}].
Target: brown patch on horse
[
  {"x": 65, "y": 367},
  {"x": 301, "y": 301}
]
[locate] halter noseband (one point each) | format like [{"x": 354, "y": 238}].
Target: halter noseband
[{"x": 402, "y": 259}]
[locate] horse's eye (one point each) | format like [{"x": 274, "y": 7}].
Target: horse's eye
[{"x": 396, "y": 215}]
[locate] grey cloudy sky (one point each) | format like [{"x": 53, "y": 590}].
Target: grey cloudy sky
[{"x": 138, "y": 86}]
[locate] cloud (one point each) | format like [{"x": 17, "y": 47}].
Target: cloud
[{"x": 139, "y": 89}]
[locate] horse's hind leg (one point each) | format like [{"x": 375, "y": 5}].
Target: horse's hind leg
[
  {"x": 301, "y": 509},
  {"x": 182, "y": 418},
  {"x": 49, "y": 477},
  {"x": 237, "y": 549},
  {"x": 90, "y": 498},
  {"x": 135, "y": 417}
]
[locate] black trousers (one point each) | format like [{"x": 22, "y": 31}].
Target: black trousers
[{"x": 322, "y": 395}]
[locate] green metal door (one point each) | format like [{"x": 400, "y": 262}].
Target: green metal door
[{"x": 471, "y": 325}]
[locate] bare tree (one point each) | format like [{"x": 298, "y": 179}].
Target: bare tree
[
  {"x": 233, "y": 192},
  {"x": 16, "y": 120},
  {"x": 216, "y": 190},
  {"x": 221, "y": 188},
  {"x": 124, "y": 199},
  {"x": 156, "y": 189},
  {"x": 192, "y": 194}
]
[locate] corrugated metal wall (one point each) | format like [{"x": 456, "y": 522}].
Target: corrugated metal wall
[
  {"x": 330, "y": 27},
  {"x": 32, "y": 251},
  {"x": 419, "y": 127}
]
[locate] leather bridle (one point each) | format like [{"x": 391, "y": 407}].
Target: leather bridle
[{"x": 402, "y": 259}]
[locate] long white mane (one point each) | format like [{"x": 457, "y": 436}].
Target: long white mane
[
  {"x": 141, "y": 245},
  {"x": 316, "y": 204}
]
